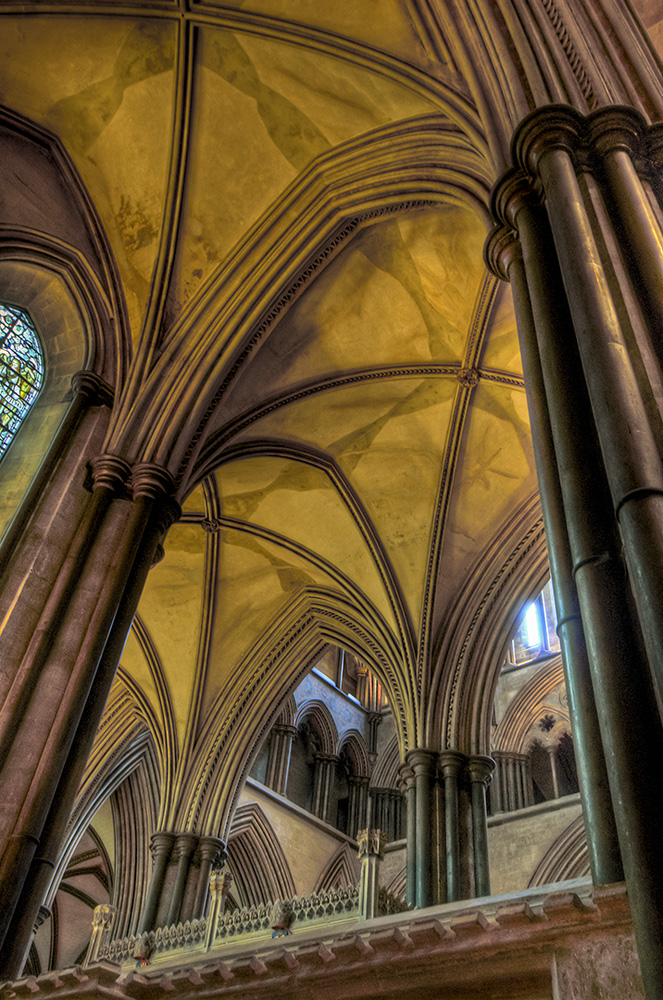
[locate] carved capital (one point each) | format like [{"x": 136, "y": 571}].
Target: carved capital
[
  {"x": 451, "y": 763},
  {"x": 616, "y": 127},
  {"x": 212, "y": 849},
  {"x": 161, "y": 843},
  {"x": 512, "y": 191},
  {"x": 480, "y": 769},
  {"x": 501, "y": 248},
  {"x": 371, "y": 843},
  {"x": 93, "y": 388},
  {"x": 421, "y": 761},
  {"x": 185, "y": 845},
  {"x": 152, "y": 481},
  {"x": 110, "y": 472},
  {"x": 654, "y": 145},
  {"x": 557, "y": 126},
  {"x": 220, "y": 881}
]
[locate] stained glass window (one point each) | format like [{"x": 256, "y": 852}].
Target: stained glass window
[{"x": 21, "y": 371}]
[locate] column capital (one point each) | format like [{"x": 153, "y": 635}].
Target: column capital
[
  {"x": 616, "y": 127},
  {"x": 655, "y": 143},
  {"x": 326, "y": 758},
  {"x": 110, "y": 472},
  {"x": 151, "y": 480},
  {"x": 556, "y": 126},
  {"x": 185, "y": 845},
  {"x": 92, "y": 387},
  {"x": 212, "y": 849},
  {"x": 451, "y": 763},
  {"x": 220, "y": 881},
  {"x": 480, "y": 768},
  {"x": 501, "y": 248},
  {"x": 513, "y": 190},
  {"x": 421, "y": 760},
  {"x": 161, "y": 842}
]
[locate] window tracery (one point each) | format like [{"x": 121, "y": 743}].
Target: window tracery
[{"x": 21, "y": 371}]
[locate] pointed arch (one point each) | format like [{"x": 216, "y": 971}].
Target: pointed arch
[
  {"x": 527, "y": 706},
  {"x": 259, "y": 866},
  {"x": 566, "y": 858},
  {"x": 385, "y": 773},
  {"x": 320, "y": 718},
  {"x": 286, "y": 651},
  {"x": 353, "y": 745},
  {"x": 342, "y": 869}
]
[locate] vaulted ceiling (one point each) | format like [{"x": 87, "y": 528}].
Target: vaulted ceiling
[{"x": 369, "y": 467}]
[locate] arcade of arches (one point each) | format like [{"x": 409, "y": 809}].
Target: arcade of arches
[{"x": 352, "y": 334}]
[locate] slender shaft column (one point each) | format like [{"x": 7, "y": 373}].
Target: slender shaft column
[
  {"x": 220, "y": 882},
  {"x": 495, "y": 788},
  {"x": 212, "y": 854},
  {"x": 505, "y": 253},
  {"x": 371, "y": 853},
  {"x": 451, "y": 764},
  {"x": 161, "y": 846},
  {"x": 324, "y": 772},
  {"x": 617, "y": 134},
  {"x": 407, "y": 777},
  {"x": 622, "y": 681},
  {"x": 185, "y": 845},
  {"x": 278, "y": 762},
  {"x": 630, "y": 451},
  {"x": 520, "y": 785},
  {"x": 480, "y": 772},
  {"x": 552, "y": 757},
  {"x": 422, "y": 763},
  {"x": 511, "y": 782}
]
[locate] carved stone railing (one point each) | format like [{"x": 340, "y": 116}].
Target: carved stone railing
[{"x": 330, "y": 907}]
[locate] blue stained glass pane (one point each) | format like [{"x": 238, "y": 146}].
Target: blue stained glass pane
[{"x": 21, "y": 371}]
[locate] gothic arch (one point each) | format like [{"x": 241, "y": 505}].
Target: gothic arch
[
  {"x": 527, "y": 705},
  {"x": 566, "y": 858},
  {"x": 256, "y": 858},
  {"x": 284, "y": 654},
  {"x": 385, "y": 773},
  {"x": 353, "y": 745},
  {"x": 471, "y": 646},
  {"x": 341, "y": 869},
  {"x": 320, "y": 718},
  {"x": 415, "y": 162}
]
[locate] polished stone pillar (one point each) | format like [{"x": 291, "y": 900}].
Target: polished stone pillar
[
  {"x": 423, "y": 764},
  {"x": 479, "y": 771},
  {"x": 615, "y": 485},
  {"x": 370, "y": 854},
  {"x": 407, "y": 777},
  {"x": 451, "y": 765},
  {"x": 161, "y": 846},
  {"x": 183, "y": 848},
  {"x": 211, "y": 854},
  {"x": 513, "y": 202},
  {"x": 53, "y": 708}
]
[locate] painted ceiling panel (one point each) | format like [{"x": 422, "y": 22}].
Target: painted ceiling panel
[
  {"x": 171, "y": 608},
  {"x": 501, "y": 348},
  {"x": 379, "y": 23},
  {"x": 388, "y": 438},
  {"x": 105, "y": 87},
  {"x": 234, "y": 139},
  {"x": 495, "y": 471},
  {"x": 135, "y": 665},
  {"x": 402, "y": 292},
  {"x": 256, "y": 579},
  {"x": 301, "y": 503}
]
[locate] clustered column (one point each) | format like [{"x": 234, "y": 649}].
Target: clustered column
[
  {"x": 278, "y": 760},
  {"x": 181, "y": 866},
  {"x": 325, "y": 764},
  {"x": 512, "y": 782},
  {"x": 581, "y": 243},
  {"x": 447, "y": 833}
]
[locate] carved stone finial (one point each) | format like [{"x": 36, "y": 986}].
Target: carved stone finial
[
  {"x": 103, "y": 915},
  {"x": 371, "y": 843}
]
